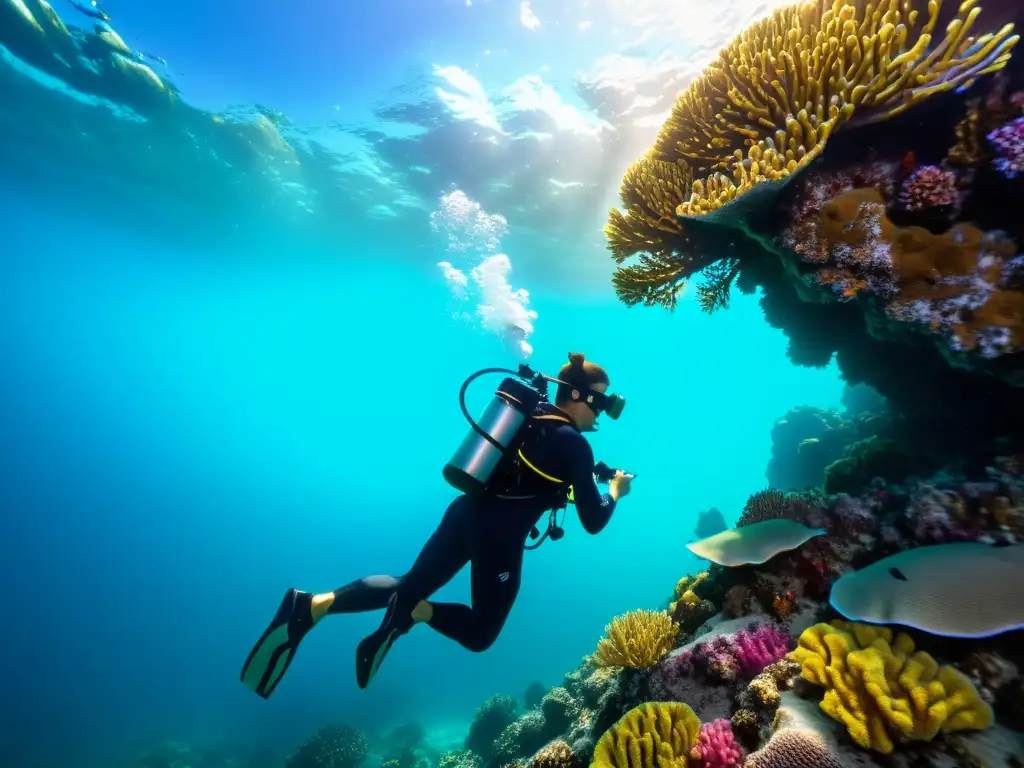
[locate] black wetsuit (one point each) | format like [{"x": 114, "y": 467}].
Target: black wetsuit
[{"x": 490, "y": 532}]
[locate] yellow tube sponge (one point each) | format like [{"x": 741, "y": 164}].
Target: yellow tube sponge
[
  {"x": 880, "y": 688},
  {"x": 636, "y": 640},
  {"x": 654, "y": 735}
]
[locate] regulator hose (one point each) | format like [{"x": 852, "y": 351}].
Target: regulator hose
[{"x": 465, "y": 411}]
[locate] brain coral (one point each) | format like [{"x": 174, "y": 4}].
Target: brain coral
[
  {"x": 794, "y": 749},
  {"x": 649, "y": 736}
]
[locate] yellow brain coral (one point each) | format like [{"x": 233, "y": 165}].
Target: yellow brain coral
[
  {"x": 879, "y": 687},
  {"x": 654, "y": 735},
  {"x": 767, "y": 105},
  {"x": 636, "y": 639}
]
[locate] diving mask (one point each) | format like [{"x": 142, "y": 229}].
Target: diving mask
[{"x": 601, "y": 402}]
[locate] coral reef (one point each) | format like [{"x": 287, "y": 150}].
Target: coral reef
[
  {"x": 862, "y": 695},
  {"x": 492, "y": 717},
  {"x": 406, "y": 747},
  {"x": 807, "y": 440},
  {"x": 766, "y": 108},
  {"x": 556, "y": 754},
  {"x": 797, "y": 165},
  {"x": 534, "y": 693},
  {"x": 333, "y": 746},
  {"x": 688, "y": 609}
]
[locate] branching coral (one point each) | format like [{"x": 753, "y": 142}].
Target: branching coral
[
  {"x": 771, "y": 504},
  {"x": 651, "y": 735},
  {"x": 636, "y": 640},
  {"x": 766, "y": 106},
  {"x": 880, "y": 688}
]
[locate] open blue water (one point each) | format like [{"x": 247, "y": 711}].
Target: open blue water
[{"x": 226, "y": 375}]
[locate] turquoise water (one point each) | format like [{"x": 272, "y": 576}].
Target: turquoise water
[{"x": 228, "y": 375}]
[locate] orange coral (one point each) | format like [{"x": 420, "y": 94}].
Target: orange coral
[{"x": 954, "y": 282}]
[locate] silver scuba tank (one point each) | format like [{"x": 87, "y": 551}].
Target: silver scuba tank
[{"x": 473, "y": 464}]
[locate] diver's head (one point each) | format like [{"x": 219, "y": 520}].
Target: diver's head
[{"x": 582, "y": 392}]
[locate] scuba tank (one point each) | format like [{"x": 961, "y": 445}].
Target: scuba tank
[
  {"x": 472, "y": 467},
  {"x": 482, "y": 450}
]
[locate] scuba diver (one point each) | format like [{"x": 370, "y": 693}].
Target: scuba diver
[
  {"x": 526, "y": 457},
  {"x": 92, "y": 10}
]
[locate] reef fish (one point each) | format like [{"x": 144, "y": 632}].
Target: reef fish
[
  {"x": 752, "y": 544},
  {"x": 966, "y": 589}
]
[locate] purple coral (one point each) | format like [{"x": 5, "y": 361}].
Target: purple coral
[
  {"x": 717, "y": 747},
  {"x": 855, "y": 517},
  {"x": 1008, "y": 142},
  {"x": 929, "y": 187},
  {"x": 673, "y": 680},
  {"x": 758, "y": 646},
  {"x": 934, "y": 514},
  {"x": 730, "y": 657}
]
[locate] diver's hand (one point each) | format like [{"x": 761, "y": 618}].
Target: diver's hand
[{"x": 619, "y": 485}]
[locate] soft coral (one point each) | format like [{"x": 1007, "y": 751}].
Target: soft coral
[{"x": 716, "y": 746}]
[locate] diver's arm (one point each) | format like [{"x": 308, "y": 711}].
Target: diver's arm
[{"x": 593, "y": 507}]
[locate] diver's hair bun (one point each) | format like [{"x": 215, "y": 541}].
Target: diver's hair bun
[{"x": 576, "y": 359}]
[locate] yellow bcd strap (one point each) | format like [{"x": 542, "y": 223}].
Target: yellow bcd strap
[
  {"x": 528, "y": 464},
  {"x": 545, "y": 475}
]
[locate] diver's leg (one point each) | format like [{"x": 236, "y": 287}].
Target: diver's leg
[
  {"x": 444, "y": 555},
  {"x": 497, "y": 563}
]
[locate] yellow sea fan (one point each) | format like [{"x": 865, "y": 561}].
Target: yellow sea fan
[
  {"x": 637, "y": 640},
  {"x": 769, "y": 102}
]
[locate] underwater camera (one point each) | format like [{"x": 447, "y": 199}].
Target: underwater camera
[{"x": 503, "y": 421}]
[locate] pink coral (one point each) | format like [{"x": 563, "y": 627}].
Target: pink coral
[
  {"x": 929, "y": 187},
  {"x": 1008, "y": 142},
  {"x": 757, "y": 647},
  {"x": 729, "y": 657},
  {"x": 716, "y": 746}
]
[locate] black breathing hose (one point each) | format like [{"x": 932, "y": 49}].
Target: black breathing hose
[{"x": 465, "y": 411}]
